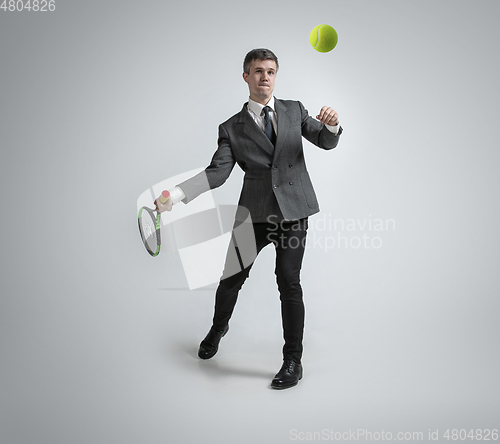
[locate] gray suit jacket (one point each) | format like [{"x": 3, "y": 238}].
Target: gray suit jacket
[{"x": 276, "y": 180}]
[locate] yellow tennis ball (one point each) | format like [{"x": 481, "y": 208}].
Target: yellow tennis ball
[{"x": 323, "y": 38}]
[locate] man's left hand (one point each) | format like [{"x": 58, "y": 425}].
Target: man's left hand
[{"x": 328, "y": 116}]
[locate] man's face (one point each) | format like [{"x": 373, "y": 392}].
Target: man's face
[{"x": 260, "y": 80}]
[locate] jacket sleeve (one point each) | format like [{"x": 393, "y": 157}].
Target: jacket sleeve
[
  {"x": 316, "y": 132},
  {"x": 215, "y": 174}
]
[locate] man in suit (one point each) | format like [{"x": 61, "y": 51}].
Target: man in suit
[{"x": 265, "y": 139}]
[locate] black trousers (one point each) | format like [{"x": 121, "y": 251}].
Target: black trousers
[{"x": 289, "y": 241}]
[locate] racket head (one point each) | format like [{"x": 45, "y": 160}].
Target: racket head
[{"x": 149, "y": 228}]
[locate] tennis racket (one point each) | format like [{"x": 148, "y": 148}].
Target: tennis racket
[{"x": 149, "y": 226}]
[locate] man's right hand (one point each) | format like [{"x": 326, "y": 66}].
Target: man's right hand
[{"x": 162, "y": 207}]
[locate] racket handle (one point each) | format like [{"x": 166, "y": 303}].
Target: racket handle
[{"x": 165, "y": 195}]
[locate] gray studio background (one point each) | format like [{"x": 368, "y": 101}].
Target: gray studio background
[{"x": 100, "y": 100}]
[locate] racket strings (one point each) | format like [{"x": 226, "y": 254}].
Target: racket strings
[{"x": 148, "y": 226}]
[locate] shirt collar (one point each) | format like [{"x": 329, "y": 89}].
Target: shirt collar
[{"x": 257, "y": 108}]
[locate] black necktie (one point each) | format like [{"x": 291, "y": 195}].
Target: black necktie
[{"x": 268, "y": 126}]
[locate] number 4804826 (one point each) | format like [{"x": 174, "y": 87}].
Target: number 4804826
[{"x": 28, "y": 5}]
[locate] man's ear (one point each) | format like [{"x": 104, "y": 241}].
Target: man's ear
[{"x": 245, "y": 77}]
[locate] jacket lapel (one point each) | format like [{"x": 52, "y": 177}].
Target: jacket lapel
[
  {"x": 252, "y": 130},
  {"x": 283, "y": 126}
]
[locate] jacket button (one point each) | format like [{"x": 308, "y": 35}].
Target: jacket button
[
  {"x": 274, "y": 168},
  {"x": 291, "y": 183},
  {"x": 275, "y": 186},
  {"x": 290, "y": 166}
]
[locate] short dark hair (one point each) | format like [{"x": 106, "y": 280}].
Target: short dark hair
[{"x": 258, "y": 54}]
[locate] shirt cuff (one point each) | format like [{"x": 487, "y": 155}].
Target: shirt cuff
[
  {"x": 333, "y": 129},
  {"x": 176, "y": 194}
]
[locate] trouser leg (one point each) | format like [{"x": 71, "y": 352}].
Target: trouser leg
[
  {"x": 226, "y": 296},
  {"x": 290, "y": 249},
  {"x": 229, "y": 287}
]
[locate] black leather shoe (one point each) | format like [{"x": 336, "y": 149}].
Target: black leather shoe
[
  {"x": 210, "y": 344},
  {"x": 288, "y": 376}
]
